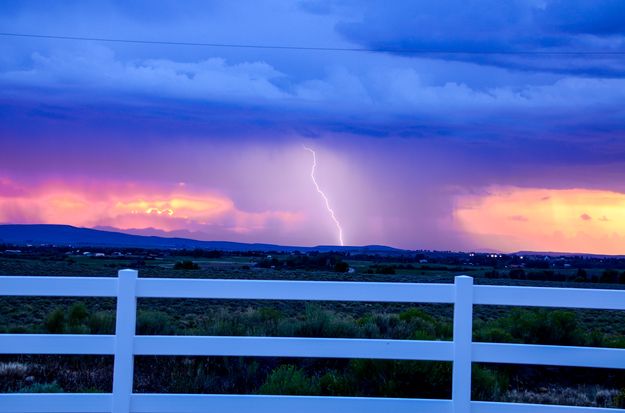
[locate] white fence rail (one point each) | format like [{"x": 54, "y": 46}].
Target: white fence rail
[{"x": 462, "y": 351}]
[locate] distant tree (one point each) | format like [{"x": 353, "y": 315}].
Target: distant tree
[
  {"x": 517, "y": 274},
  {"x": 382, "y": 269},
  {"x": 341, "y": 266},
  {"x": 492, "y": 274},
  {"x": 537, "y": 264},
  {"x": 198, "y": 252},
  {"x": 186, "y": 265},
  {"x": 269, "y": 263},
  {"x": 609, "y": 276}
]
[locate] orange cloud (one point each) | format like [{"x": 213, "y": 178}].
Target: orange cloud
[
  {"x": 512, "y": 219},
  {"x": 132, "y": 207}
]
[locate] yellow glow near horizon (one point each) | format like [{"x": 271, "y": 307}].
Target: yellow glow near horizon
[
  {"x": 571, "y": 220},
  {"x": 55, "y": 203}
]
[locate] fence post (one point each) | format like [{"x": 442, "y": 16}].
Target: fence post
[
  {"x": 463, "y": 330},
  {"x": 124, "y": 340}
]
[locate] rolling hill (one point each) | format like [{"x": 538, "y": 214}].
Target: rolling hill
[{"x": 45, "y": 234}]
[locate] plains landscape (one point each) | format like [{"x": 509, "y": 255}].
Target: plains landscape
[
  {"x": 312, "y": 205},
  {"x": 300, "y": 376}
]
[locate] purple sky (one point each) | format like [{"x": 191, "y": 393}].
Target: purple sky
[{"x": 498, "y": 149}]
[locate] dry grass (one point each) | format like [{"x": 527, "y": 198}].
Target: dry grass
[
  {"x": 13, "y": 370},
  {"x": 594, "y": 396}
]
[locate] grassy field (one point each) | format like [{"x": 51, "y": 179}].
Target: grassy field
[{"x": 594, "y": 387}]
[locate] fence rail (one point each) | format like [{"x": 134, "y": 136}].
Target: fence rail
[{"x": 462, "y": 351}]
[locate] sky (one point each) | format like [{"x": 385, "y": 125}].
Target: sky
[{"x": 465, "y": 125}]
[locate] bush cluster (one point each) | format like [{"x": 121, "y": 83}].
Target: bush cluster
[
  {"x": 313, "y": 261},
  {"x": 607, "y": 276},
  {"x": 78, "y": 320},
  {"x": 327, "y": 377},
  {"x": 186, "y": 265}
]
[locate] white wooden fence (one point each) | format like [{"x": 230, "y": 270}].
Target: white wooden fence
[{"x": 124, "y": 345}]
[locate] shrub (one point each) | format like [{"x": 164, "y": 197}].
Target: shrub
[
  {"x": 491, "y": 334},
  {"x": 222, "y": 324},
  {"x": 487, "y": 384},
  {"x": 423, "y": 326},
  {"x": 55, "y": 322},
  {"x": 615, "y": 341},
  {"x": 77, "y": 318},
  {"x": 619, "y": 400},
  {"x": 319, "y": 323},
  {"x": 269, "y": 314},
  {"x": 290, "y": 380},
  {"x": 42, "y": 388},
  {"x": 77, "y": 314},
  {"x": 154, "y": 323},
  {"x": 561, "y": 328},
  {"x": 102, "y": 322},
  {"x": 535, "y": 327},
  {"x": 415, "y": 313},
  {"x": 334, "y": 383},
  {"x": 391, "y": 378}
]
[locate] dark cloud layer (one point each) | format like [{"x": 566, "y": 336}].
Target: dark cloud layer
[{"x": 511, "y": 28}]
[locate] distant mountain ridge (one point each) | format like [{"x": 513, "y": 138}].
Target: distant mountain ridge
[{"x": 67, "y": 235}]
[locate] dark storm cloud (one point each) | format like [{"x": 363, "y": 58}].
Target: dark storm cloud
[
  {"x": 485, "y": 28},
  {"x": 601, "y": 18}
]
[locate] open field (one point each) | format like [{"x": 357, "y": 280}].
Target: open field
[{"x": 599, "y": 387}]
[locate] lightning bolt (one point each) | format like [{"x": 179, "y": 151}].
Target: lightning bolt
[{"x": 323, "y": 195}]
